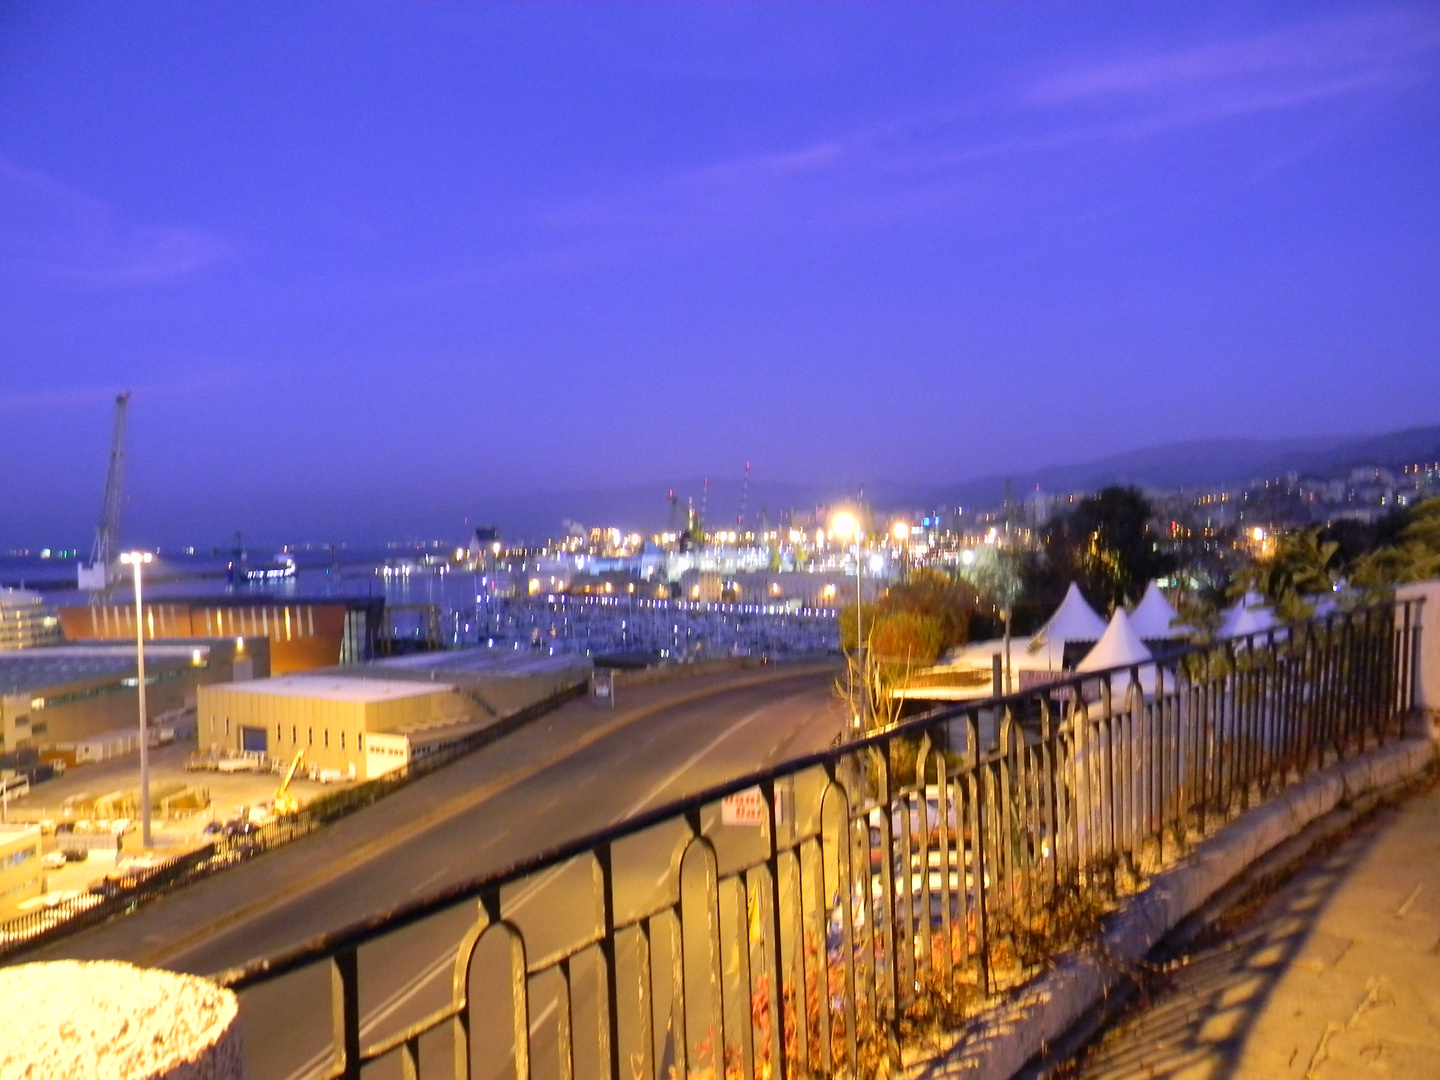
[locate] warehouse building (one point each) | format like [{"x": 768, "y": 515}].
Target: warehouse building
[
  {"x": 53, "y": 698},
  {"x": 366, "y": 720},
  {"x": 304, "y": 634},
  {"x": 340, "y": 723}
]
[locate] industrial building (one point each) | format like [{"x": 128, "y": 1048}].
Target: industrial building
[
  {"x": 53, "y": 698},
  {"x": 21, "y": 876},
  {"x": 304, "y": 634},
  {"x": 364, "y": 721},
  {"x": 26, "y": 621}
]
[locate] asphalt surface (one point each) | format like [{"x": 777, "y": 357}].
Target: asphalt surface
[{"x": 578, "y": 770}]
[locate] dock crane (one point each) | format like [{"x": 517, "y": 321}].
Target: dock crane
[{"x": 100, "y": 574}]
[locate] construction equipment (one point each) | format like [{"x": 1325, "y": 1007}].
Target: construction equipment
[
  {"x": 100, "y": 574},
  {"x": 286, "y": 801}
]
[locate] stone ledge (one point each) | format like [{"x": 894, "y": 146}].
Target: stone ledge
[{"x": 1005, "y": 1039}]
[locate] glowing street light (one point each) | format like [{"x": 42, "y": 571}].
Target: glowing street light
[
  {"x": 136, "y": 559},
  {"x": 900, "y": 531}
]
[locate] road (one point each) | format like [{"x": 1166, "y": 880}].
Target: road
[{"x": 532, "y": 795}]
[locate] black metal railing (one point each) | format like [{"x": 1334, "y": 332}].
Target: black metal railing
[
  {"x": 122, "y": 893},
  {"x": 841, "y": 913}
]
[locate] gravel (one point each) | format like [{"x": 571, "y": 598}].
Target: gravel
[{"x": 110, "y": 1021}]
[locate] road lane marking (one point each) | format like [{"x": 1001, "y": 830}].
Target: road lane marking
[
  {"x": 169, "y": 954},
  {"x": 417, "y": 983},
  {"x": 430, "y": 880}
]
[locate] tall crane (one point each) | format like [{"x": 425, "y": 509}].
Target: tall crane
[{"x": 99, "y": 575}]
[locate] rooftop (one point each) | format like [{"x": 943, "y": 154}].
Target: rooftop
[
  {"x": 335, "y": 688},
  {"x": 28, "y": 670},
  {"x": 494, "y": 662}
]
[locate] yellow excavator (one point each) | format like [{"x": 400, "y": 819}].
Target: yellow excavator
[{"x": 286, "y": 801}]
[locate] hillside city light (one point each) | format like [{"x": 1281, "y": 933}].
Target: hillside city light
[{"x": 136, "y": 559}]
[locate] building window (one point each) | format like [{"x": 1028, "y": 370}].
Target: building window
[
  {"x": 327, "y": 737},
  {"x": 294, "y": 734},
  {"x": 342, "y": 740},
  {"x": 309, "y": 736},
  {"x": 227, "y": 727}
]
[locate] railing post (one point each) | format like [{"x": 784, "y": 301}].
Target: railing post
[
  {"x": 609, "y": 1020},
  {"x": 345, "y": 1012}
]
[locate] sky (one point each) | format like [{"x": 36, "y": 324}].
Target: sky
[{"x": 370, "y": 269}]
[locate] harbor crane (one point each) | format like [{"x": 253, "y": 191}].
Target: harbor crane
[{"x": 100, "y": 574}]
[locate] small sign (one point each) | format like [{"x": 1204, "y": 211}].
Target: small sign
[{"x": 747, "y": 809}]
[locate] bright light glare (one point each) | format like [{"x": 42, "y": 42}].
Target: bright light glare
[
  {"x": 131, "y": 557},
  {"x": 901, "y": 531},
  {"x": 845, "y": 525}
]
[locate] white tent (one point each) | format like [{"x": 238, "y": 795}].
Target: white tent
[
  {"x": 1074, "y": 620},
  {"x": 1248, "y": 616},
  {"x": 1119, "y": 646},
  {"x": 1154, "y": 617}
]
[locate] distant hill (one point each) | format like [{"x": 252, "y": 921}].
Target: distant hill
[
  {"x": 1209, "y": 463},
  {"x": 1192, "y": 465}
]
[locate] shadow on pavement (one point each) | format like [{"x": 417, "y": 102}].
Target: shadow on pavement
[{"x": 1196, "y": 1014}]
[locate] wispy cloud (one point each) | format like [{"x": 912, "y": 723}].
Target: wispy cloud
[
  {"x": 53, "y": 231},
  {"x": 969, "y": 153},
  {"x": 1374, "y": 47}
]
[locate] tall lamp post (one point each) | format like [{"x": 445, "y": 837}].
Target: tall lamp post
[
  {"x": 135, "y": 560},
  {"x": 845, "y": 525}
]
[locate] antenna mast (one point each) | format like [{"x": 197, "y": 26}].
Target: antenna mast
[{"x": 98, "y": 576}]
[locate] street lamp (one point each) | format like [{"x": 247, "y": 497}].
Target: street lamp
[
  {"x": 136, "y": 559},
  {"x": 845, "y": 525}
]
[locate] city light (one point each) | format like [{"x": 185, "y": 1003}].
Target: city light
[
  {"x": 900, "y": 531},
  {"x": 845, "y": 525}
]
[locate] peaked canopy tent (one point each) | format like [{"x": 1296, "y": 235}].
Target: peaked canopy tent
[
  {"x": 1155, "y": 618},
  {"x": 1074, "y": 620},
  {"x": 1249, "y": 615},
  {"x": 1120, "y": 646}
]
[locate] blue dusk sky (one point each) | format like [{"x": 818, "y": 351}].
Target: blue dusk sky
[{"x": 367, "y": 268}]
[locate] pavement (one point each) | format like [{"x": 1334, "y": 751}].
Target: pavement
[{"x": 1333, "y": 974}]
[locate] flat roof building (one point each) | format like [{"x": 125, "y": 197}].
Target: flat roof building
[{"x": 367, "y": 719}]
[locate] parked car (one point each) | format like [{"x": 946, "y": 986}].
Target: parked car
[
  {"x": 53, "y": 860},
  {"x": 76, "y": 854}
]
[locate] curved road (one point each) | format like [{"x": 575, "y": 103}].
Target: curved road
[{"x": 577, "y": 770}]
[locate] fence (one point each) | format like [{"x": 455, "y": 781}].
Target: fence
[
  {"x": 123, "y": 893},
  {"x": 893, "y": 885}
]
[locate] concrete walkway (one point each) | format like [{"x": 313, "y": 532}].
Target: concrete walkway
[{"x": 1336, "y": 974}]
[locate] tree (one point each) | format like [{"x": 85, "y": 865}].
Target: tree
[
  {"x": 1106, "y": 545},
  {"x": 1301, "y": 567},
  {"x": 1414, "y": 557},
  {"x": 907, "y": 628}
]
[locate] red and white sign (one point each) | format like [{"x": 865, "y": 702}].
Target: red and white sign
[{"x": 747, "y": 808}]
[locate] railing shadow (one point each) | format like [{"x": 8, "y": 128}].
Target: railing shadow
[{"x": 1195, "y": 1018}]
